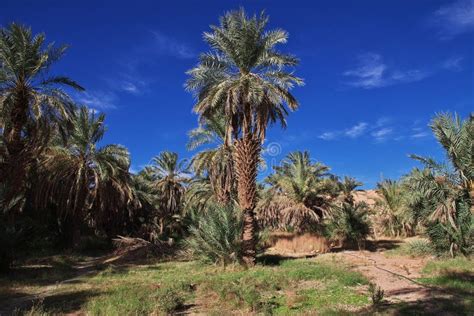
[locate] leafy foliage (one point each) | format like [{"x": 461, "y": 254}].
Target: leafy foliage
[
  {"x": 244, "y": 68},
  {"x": 30, "y": 102},
  {"x": 446, "y": 189},
  {"x": 216, "y": 236},
  {"x": 349, "y": 224},
  {"x": 79, "y": 177},
  {"x": 394, "y": 217},
  {"x": 376, "y": 294},
  {"x": 213, "y": 165},
  {"x": 300, "y": 195}
]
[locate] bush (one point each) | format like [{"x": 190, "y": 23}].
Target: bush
[
  {"x": 170, "y": 300},
  {"x": 348, "y": 224},
  {"x": 446, "y": 239},
  {"x": 245, "y": 291},
  {"x": 420, "y": 247},
  {"x": 376, "y": 294},
  {"x": 216, "y": 236}
]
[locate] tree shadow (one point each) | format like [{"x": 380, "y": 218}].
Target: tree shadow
[
  {"x": 435, "y": 305},
  {"x": 277, "y": 259},
  {"x": 453, "y": 295},
  {"x": 61, "y": 303},
  {"x": 382, "y": 244},
  {"x": 271, "y": 260}
]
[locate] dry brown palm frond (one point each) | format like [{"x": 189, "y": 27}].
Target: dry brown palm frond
[
  {"x": 446, "y": 213},
  {"x": 281, "y": 212}
]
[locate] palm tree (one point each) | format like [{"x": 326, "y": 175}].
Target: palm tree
[
  {"x": 349, "y": 225},
  {"x": 79, "y": 177},
  {"x": 245, "y": 78},
  {"x": 302, "y": 191},
  {"x": 457, "y": 139},
  {"x": 347, "y": 186},
  {"x": 29, "y": 101},
  {"x": 394, "y": 216},
  {"x": 214, "y": 163},
  {"x": 168, "y": 176},
  {"x": 447, "y": 189}
]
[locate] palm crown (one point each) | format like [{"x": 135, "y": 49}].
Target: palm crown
[
  {"x": 24, "y": 66},
  {"x": 244, "y": 75},
  {"x": 78, "y": 172}
]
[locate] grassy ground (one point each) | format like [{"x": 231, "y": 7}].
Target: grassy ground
[
  {"x": 322, "y": 285},
  {"x": 284, "y": 287}
]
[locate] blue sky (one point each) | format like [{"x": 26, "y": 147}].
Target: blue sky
[{"x": 375, "y": 72}]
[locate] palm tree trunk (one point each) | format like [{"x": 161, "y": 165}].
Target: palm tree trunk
[
  {"x": 76, "y": 231},
  {"x": 17, "y": 159},
  {"x": 222, "y": 177},
  {"x": 246, "y": 157}
]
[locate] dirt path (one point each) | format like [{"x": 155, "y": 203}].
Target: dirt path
[{"x": 396, "y": 276}]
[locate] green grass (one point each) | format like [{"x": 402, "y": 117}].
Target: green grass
[
  {"x": 260, "y": 289},
  {"x": 454, "y": 274},
  {"x": 291, "y": 287},
  {"x": 413, "y": 248},
  {"x": 282, "y": 287}
]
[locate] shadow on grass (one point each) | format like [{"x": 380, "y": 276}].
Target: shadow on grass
[
  {"x": 382, "y": 244},
  {"x": 435, "y": 305},
  {"x": 61, "y": 303},
  {"x": 271, "y": 260},
  {"x": 38, "y": 275},
  {"x": 276, "y": 259}
]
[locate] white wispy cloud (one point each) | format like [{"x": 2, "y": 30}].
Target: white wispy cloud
[
  {"x": 130, "y": 87},
  {"x": 356, "y": 130},
  {"x": 371, "y": 72},
  {"x": 455, "y": 18},
  {"x": 382, "y": 134},
  {"x": 98, "y": 99},
  {"x": 381, "y": 130},
  {"x": 419, "y": 132},
  {"x": 453, "y": 63},
  {"x": 420, "y": 135},
  {"x": 352, "y": 132},
  {"x": 169, "y": 46},
  {"x": 382, "y": 121},
  {"x": 328, "y": 135}
]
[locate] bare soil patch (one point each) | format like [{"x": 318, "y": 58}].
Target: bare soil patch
[{"x": 396, "y": 276}]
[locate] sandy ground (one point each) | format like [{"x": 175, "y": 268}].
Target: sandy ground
[{"x": 396, "y": 276}]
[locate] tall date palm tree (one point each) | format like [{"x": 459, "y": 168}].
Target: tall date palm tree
[
  {"x": 168, "y": 176},
  {"x": 246, "y": 78},
  {"x": 79, "y": 177},
  {"x": 29, "y": 99}
]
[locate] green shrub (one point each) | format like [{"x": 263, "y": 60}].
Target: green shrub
[
  {"x": 376, "y": 293},
  {"x": 245, "y": 291},
  {"x": 170, "y": 300},
  {"x": 348, "y": 223},
  {"x": 420, "y": 247},
  {"x": 215, "y": 236}
]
